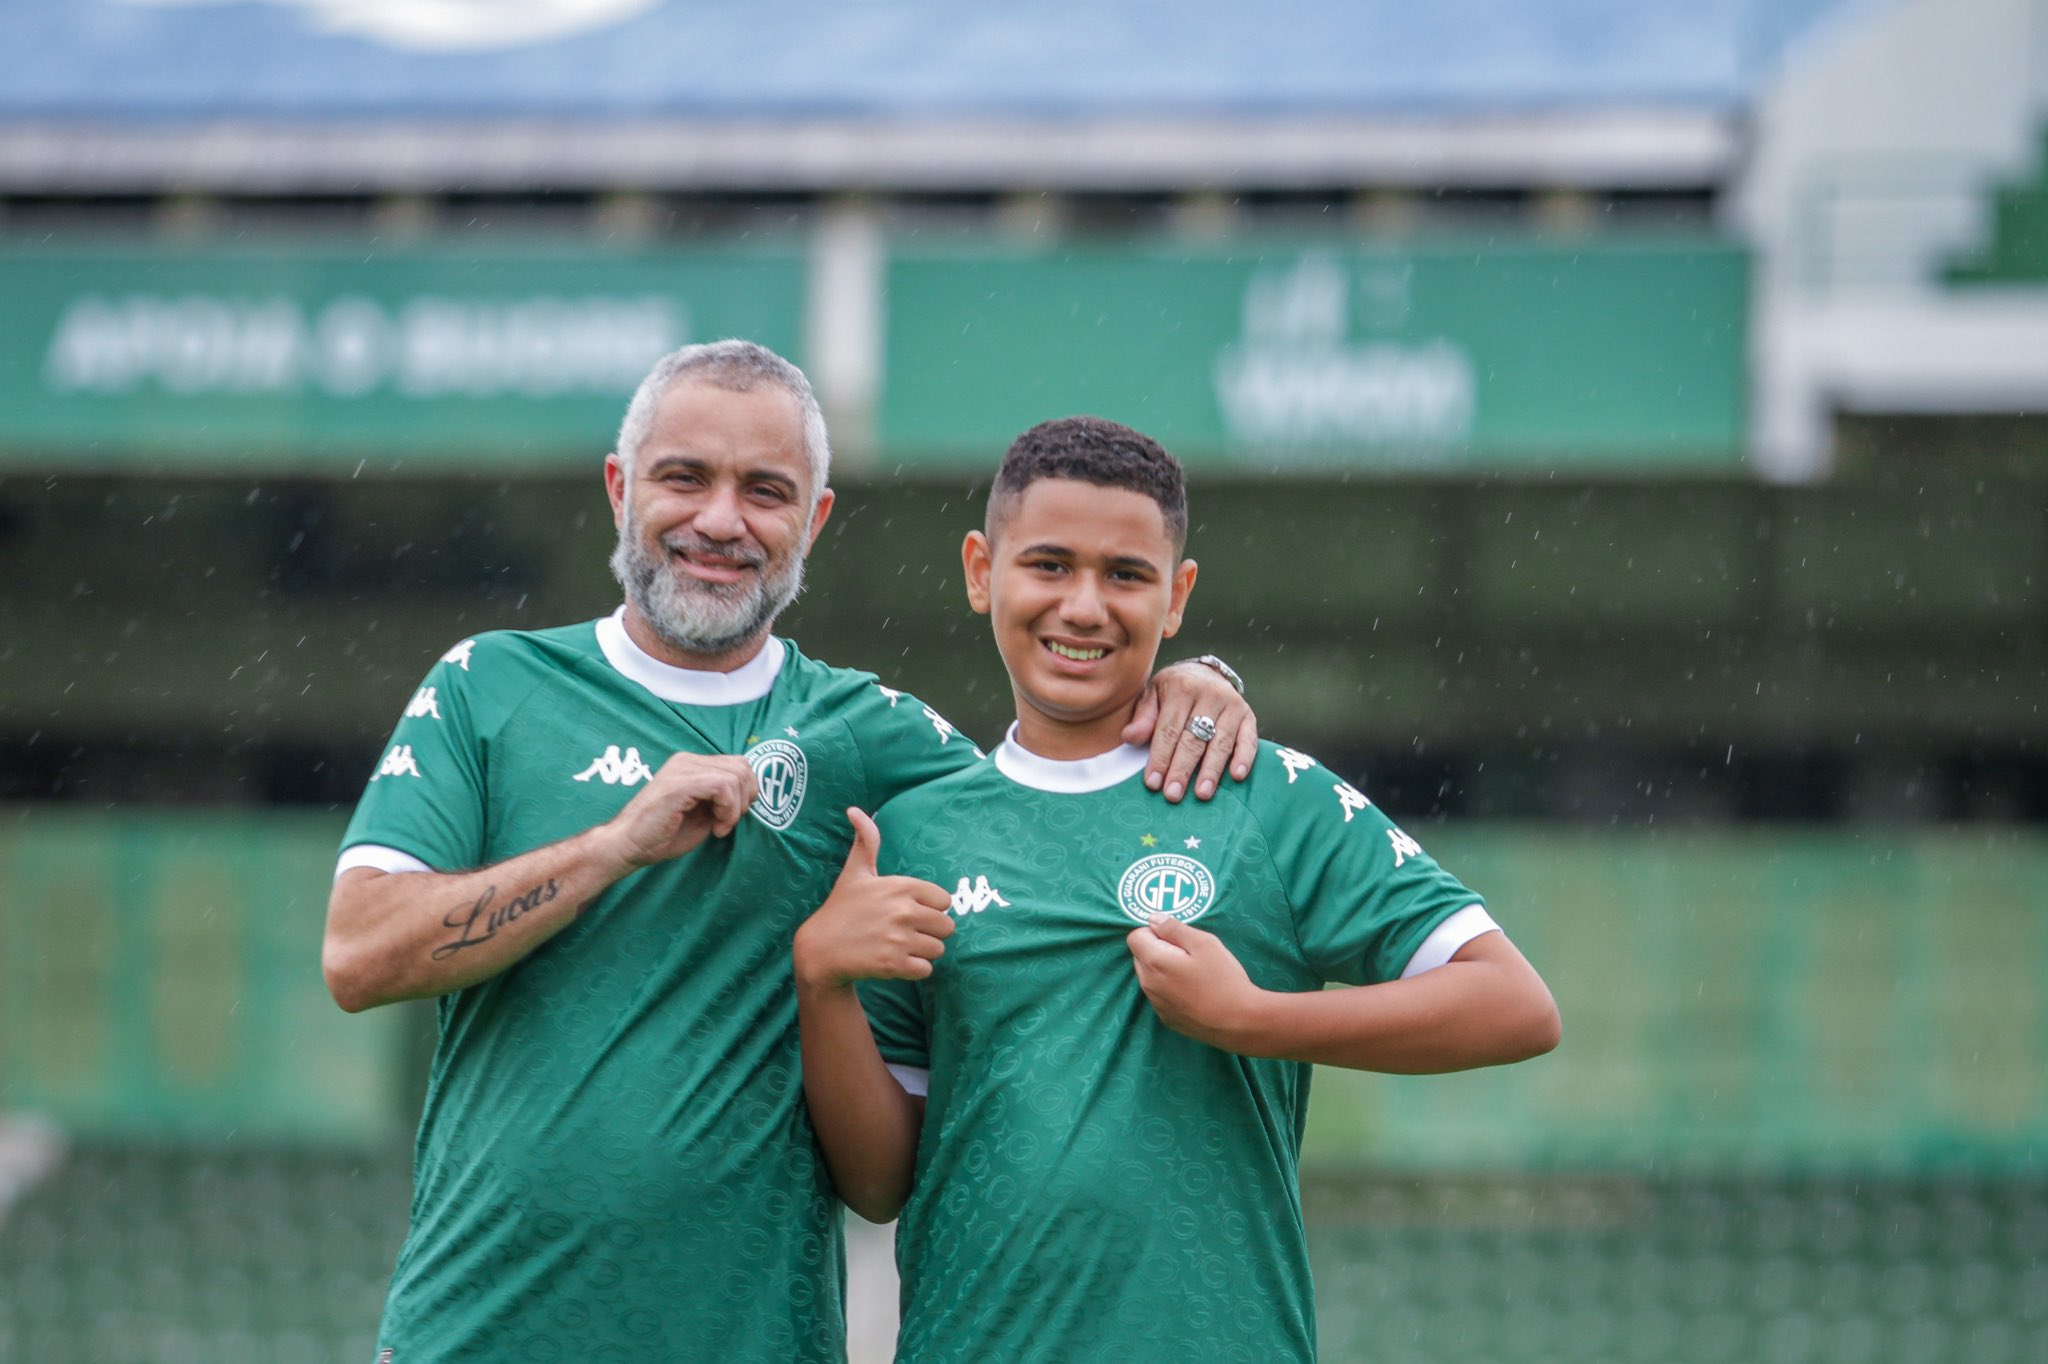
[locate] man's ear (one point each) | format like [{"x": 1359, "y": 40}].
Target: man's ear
[
  {"x": 818, "y": 515},
  {"x": 977, "y": 556},
  {"x": 1183, "y": 584},
  {"x": 615, "y": 488}
]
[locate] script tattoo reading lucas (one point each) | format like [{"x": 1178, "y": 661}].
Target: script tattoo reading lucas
[{"x": 480, "y": 922}]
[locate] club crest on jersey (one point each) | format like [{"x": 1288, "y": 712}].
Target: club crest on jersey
[
  {"x": 782, "y": 772},
  {"x": 1166, "y": 883}
]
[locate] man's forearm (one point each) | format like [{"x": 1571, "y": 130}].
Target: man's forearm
[
  {"x": 412, "y": 935},
  {"x": 867, "y": 1125}
]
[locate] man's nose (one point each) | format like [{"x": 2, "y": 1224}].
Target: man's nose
[{"x": 719, "y": 517}]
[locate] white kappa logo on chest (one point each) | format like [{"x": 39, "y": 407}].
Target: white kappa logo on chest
[{"x": 783, "y": 773}]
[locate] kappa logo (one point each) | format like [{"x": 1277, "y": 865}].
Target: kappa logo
[
  {"x": 1351, "y": 798},
  {"x": 459, "y": 655},
  {"x": 1166, "y": 883},
  {"x": 397, "y": 763},
  {"x": 974, "y": 899},
  {"x": 423, "y": 703},
  {"x": 1404, "y": 846},
  {"x": 1295, "y": 761},
  {"x": 614, "y": 768},
  {"x": 783, "y": 773}
]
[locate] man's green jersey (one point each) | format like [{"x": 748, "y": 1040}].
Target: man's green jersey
[
  {"x": 615, "y": 1162},
  {"x": 1090, "y": 1184}
]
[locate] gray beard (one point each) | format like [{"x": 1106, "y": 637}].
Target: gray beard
[{"x": 693, "y": 616}]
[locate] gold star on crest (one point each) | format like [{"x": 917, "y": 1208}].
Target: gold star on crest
[{"x": 1149, "y": 841}]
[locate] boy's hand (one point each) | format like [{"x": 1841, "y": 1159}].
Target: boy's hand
[
  {"x": 872, "y": 927},
  {"x": 1173, "y": 697},
  {"x": 1196, "y": 986}
]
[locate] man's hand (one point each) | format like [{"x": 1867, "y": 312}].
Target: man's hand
[
  {"x": 1196, "y": 986},
  {"x": 872, "y": 927},
  {"x": 1171, "y": 699},
  {"x": 693, "y": 797}
]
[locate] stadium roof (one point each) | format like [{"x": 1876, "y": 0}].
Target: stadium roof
[{"x": 420, "y": 93}]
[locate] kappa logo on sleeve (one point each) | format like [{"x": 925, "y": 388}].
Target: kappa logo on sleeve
[
  {"x": 459, "y": 655},
  {"x": 398, "y": 762},
  {"x": 1295, "y": 761},
  {"x": 1404, "y": 846},
  {"x": 423, "y": 703},
  {"x": 783, "y": 774},
  {"x": 1351, "y": 798}
]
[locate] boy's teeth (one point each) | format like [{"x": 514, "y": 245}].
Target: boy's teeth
[{"x": 1080, "y": 655}]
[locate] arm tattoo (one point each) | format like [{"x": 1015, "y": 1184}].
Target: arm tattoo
[{"x": 480, "y": 922}]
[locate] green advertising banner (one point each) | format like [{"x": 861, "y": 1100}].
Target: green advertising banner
[
  {"x": 320, "y": 359},
  {"x": 1450, "y": 355}
]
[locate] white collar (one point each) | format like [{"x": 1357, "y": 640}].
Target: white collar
[
  {"x": 1074, "y": 778},
  {"x": 751, "y": 681}
]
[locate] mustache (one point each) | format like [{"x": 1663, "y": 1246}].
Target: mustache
[{"x": 677, "y": 542}]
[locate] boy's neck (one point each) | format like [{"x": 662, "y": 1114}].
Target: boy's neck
[{"x": 1045, "y": 737}]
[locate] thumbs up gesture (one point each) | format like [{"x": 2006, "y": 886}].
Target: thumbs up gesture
[{"x": 872, "y": 927}]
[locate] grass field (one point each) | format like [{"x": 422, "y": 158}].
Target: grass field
[{"x": 161, "y": 1254}]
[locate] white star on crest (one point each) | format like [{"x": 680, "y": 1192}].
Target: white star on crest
[
  {"x": 1193, "y": 842},
  {"x": 790, "y": 730}
]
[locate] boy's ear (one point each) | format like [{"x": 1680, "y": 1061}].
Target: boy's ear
[
  {"x": 977, "y": 556},
  {"x": 1183, "y": 584}
]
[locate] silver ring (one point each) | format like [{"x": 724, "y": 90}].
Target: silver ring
[{"x": 1202, "y": 727}]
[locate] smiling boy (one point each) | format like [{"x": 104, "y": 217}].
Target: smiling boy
[{"x": 1078, "y": 1061}]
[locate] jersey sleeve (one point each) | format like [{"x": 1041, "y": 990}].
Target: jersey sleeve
[
  {"x": 1365, "y": 895},
  {"x": 426, "y": 796},
  {"x": 904, "y": 743},
  {"x": 895, "y": 1008}
]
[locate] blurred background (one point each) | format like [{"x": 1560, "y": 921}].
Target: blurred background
[{"x": 1616, "y": 448}]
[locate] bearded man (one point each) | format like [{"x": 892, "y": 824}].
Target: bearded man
[{"x": 594, "y": 845}]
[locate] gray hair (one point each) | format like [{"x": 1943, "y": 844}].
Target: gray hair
[{"x": 730, "y": 364}]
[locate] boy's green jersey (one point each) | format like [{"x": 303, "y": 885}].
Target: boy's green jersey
[
  {"x": 1090, "y": 1184},
  {"x": 615, "y": 1162}
]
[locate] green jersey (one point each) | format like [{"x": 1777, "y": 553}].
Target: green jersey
[
  {"x": 615, "y": 1162},
  {"x": 1090, "y": 1184}
]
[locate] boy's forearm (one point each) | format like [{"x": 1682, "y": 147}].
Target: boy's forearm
[
  {"x": 867, "y": 1125},
  {"x": 1485, "y": 1007}
]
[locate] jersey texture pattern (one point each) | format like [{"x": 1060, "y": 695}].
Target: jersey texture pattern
[
  {"x": 614, "y": 1162},
  {"x": 1092, "y": 1186}
]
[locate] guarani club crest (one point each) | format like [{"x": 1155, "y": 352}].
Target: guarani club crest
[
  {"x": 1166, "y": 883},
  {"x": 783, "y": 774}
]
